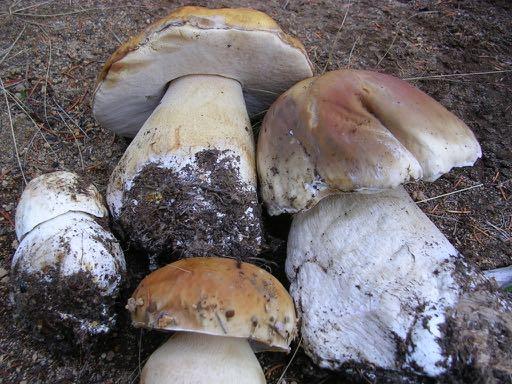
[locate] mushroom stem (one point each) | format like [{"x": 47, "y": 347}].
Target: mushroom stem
[
  {"x": 394, "y": 289},
  {"x": 195, "y": 154},
  {"x": 199, "y": 358}
]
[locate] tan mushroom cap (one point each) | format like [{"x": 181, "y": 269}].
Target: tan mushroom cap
[
  {"x": 353, "y": 130},
  {"x": 216, "y": 296},
  {"x": 241, "y": 44}
]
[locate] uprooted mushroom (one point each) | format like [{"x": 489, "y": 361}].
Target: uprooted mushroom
[
  {"x": 376, "y": 284},
  {"x": 68, "y": 268},
  {"x": 183, "y": 88},
  {"x": 219, "y": 308}
]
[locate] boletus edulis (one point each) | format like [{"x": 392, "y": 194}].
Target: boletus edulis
[
  {"x": 376, "y": 284},
  {"x": 221, "y": 309},
  {"x": 185, "y": 88},
  {"x": 68, "y": 268}
]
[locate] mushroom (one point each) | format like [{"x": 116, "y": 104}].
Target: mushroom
[
  {"x": 68, "y": 268},
  {"x": 218, "y": 306},
  {"x": 184, "y": 88},
  {"x": 376, "y": 284}
]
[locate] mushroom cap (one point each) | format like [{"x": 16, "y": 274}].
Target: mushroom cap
[
  {"x": 216, "y": 296},
  {"x": 242, "y": 44},
  {"x": 53, "y": 194},
  {"x": 351, "y": 130}
]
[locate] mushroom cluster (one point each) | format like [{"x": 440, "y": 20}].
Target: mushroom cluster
[
  {"x": 68, "y": 268},
  {"x": 185, "y": 88},
  {"x": 376, "y": 284}
]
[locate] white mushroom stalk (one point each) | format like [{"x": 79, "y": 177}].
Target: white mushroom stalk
[
  {"x": 376, "y": 284},
  {"x": 68, "y": 268},
  {"x": 198, "y": 358},
  {"x": 185, "y": 88}
]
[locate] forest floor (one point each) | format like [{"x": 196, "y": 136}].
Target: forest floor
[{"x": 459, "y": 52}]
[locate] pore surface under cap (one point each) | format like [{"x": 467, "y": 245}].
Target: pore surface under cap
[
  {"x": 242, "y": 44},
  {"x": 353, "y": 130},
  {"x": 216, "y": 296}
]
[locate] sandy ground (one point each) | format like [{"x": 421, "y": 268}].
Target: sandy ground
[{"x": 459, "y": 52}]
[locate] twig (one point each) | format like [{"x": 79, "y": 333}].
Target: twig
[
  {"x": 264, "y": 91},
  {"x": 8, "y": 50},
  {"x": 398, "y": 25},
  {"x": 12, "y": 131},
  {"x": 69, "y": 117},
  {"x": 76, "y": 141},
  {"x": 33, "y": 6},
  {"x": 46, "y": 81},
  {"x": 74, "y": 12},
  {"x": 289, "y": 363},
  {"x": 25, "y": 111},
  {"x": 456, "y": 75},
  {"x": 173, "y": 266},
  {"x": 450, "y": 193},
  {"x": 351, "y": 51},
  {"x": 329, "y": 58}
]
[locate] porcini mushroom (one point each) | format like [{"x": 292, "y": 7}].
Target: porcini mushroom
[
  {"x": 184, "y": 88},
  {"x": 375, "y": 282},
  {"x": 218, "y": 306},
  {"x": 68, "y": 268}
]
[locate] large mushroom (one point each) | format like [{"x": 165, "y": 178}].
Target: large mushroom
[
  {"x": 375, "y": 282},
  {"x": 185, "y": 88},
  {"x": 68, "y": 268},
  {"x": 219, "y": 308}
]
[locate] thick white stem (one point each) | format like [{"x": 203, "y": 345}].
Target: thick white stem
[
  {"x": 198, "y": 358},
  {"x": 187, "y": 182},
  {"x": 373, "y": 280},
  {"x": 197, "y": 112}
]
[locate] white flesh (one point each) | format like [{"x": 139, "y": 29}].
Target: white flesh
[
  {"x": 194, "y": 358},
  {"x": 197, "y": 112},
  {"x": 367, "y": 271}
]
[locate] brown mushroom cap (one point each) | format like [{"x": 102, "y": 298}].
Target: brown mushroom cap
[
  {"x": 216, "y": 296},
  {"x": 352, "y": 130},
  {"x": 241, "y": 44}
]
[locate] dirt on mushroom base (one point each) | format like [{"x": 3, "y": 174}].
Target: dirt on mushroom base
[
  {"x": 62, "y": 310},
  {"x": 478, "y": 330},
  {"x": 199, "y": 211}
]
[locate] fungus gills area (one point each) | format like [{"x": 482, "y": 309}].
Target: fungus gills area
[{"x": 203, "y": 209}]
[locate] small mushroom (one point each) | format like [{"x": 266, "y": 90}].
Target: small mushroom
[
  {"x": 219, "y": 307},
  {"x": 184, "y": 88},
  {"x": 375, "y": 282},
  {"x": 68, "y": 268}
]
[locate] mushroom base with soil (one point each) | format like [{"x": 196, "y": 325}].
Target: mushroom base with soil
[
  {"x": 187, "y": 181},
  {"x": 67, "y": 273},
  {"x": 199, "y": 358},
  {"x": 377, "y": 284}
]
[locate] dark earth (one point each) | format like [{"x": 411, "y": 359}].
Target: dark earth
[
  {"x": 459, "y": 52},
  {"x": 183, "y": 214}
]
